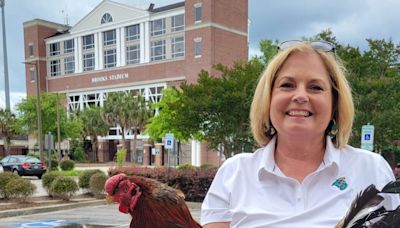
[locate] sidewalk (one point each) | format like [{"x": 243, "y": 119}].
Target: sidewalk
[{"x": 59, "y": 205}]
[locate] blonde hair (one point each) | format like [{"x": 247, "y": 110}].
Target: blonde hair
[{"x": 343, "y": 107}]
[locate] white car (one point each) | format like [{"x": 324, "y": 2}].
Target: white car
[{"x": 1, "y": 169}]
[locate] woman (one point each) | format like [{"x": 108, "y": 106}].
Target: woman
[{"x": 305, "y": 174}]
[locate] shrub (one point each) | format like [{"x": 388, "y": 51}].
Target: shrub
[
  {"x": 207, "y": 166},
  {"x": 185, "y": 167},
  {"x": 54, "y": 164},
  {"x": 96, "y": 184},
  {"x": 67, "y": 165},
  {"x": 76, "y": 150},
  {"x": 48, "y": 179},
  {"x": 84, "y": 178},
  {"x": 64, "y": 187},
  {"x": 4, "y": 179},
  {"x": 20, "y": 189},
  {"x": 121, "y": 157},
  {"x": 194, "y": 183}
]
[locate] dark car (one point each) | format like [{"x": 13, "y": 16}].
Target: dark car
[{"x": 23, "y": 165}]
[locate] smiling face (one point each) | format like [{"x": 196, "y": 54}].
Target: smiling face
[{"x": 301, "y": 101}]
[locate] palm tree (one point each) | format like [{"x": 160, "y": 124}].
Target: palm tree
[
  {"x": 8, "y": 128},
  {"x": 116, "y": 112},
  {"x": 93, "y": 126},
  {"x": 140, "y": 115},
  {"x": 128, "y": 110}
]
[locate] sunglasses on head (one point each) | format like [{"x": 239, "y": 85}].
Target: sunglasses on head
[{"x": 316, "y": 45}]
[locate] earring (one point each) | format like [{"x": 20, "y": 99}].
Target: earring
[
  {"x": 269, "y": 131},
  {"x": 332, "y": 129}
]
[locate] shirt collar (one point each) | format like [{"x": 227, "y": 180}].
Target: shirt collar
[
  {"x": 332, "y": 154},
  {"x": 267, "y": 161}
]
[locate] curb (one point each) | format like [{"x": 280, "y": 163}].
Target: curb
[{"x": 37, "y": 210}]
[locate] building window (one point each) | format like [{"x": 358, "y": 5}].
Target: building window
[
  {"x": 31, "y": 50},
  {"x": 88, "y": 42},
  {"x": 109, "y": 37},
  {"x": 178, "y": 23},
  {"x": 110, "y": 58},
  {"x": 178, "y": 47},
  {"x": 32, "y": 73},
  {"x": 197, "y": 14},
  {"x": 88, "y": 61},
  {"x": 68, "y": 46},
  {"x": 157, "y": 50},
  {"x": 132, "y": 54},
  {"x": 55, "y": 67},
  {"x": 157, "y": 27},
  {"x": 197, "y": 47},
  {"x": 106, "y": 18},
  {"x": 132, "y": 32},
  {"x": 54, "y": 49},
  {"x": 69, "y": 65}
]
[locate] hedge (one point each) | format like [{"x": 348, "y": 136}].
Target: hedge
[{"x": 194, "y": 183}]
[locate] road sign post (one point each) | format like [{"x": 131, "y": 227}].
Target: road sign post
[
  {"x": 367, "y": 137},
  {"x": 49, "y": 146},
  {"x": 169, "y": 145}
]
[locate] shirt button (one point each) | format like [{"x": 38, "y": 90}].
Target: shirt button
[{"x": 298, "y": 199}]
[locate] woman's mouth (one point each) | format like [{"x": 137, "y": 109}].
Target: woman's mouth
[{"x": 299, "y": 113}]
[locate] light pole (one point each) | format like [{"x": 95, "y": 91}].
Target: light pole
[
  {"x": 6, "y": 84},
  {"x": 38, "y": 110}
]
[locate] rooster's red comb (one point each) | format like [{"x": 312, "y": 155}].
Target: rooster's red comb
[{"x": 113, "y": 182}]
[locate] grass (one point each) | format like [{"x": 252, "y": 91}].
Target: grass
[{"x": 70, "y": 173}]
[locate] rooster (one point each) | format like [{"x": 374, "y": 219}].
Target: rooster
[
  {"x": 361, "y": 214},
  {"x": 150, "y": 203}
]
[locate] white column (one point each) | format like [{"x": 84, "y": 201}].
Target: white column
[
  {"x": 100, "y": 55},
  {"x": 123, "y": 47},
  {"x": 77, "y": 54},
  {"x": 118, "y": 44},
  {"x": 142, "y": 37},
  {"x": 146, "y": 42},
  {"x": 196, "y": 153},
  {"x": 96, "y": 52}
]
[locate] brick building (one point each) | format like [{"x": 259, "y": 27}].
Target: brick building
[{"x": 117, "y": 47}]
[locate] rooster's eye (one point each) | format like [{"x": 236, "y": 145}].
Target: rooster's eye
[
  {"x": 126, "y": 189},
  {"x": 133, "y": 192}
]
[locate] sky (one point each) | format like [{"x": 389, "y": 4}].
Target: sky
[{"x": 351, "y": 21}]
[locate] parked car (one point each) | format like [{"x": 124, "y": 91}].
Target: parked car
[{"x": 23, "y": 165}]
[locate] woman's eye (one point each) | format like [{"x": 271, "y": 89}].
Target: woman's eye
[
  {"x": 286, "y": 85},
  {"x": 316, "y": 88}
]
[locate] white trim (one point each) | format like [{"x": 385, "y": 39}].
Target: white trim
[
  {"x": 142, "y": 41},
  {"x": 215, "y": 25},
  {"x": 122, "y": 85},
  {"x": 118, "y": 47}
]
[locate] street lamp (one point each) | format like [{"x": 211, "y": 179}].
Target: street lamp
[
  {"x": 38, "y": 110},
  {"x": 6, "y": 84}
]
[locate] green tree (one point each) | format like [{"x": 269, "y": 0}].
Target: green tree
[
  {"x": 8, "y": 128},
  {"x": 140, "y": 112},
  {"x": 129, "y": 111},
  {"x": 93, "y": 126},
  {"x": 216, "y": 109},
  {"x": 69, "y": 128}
]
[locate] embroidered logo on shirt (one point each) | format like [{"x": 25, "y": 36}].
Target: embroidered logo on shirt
[{"x": 340, "y": 183}]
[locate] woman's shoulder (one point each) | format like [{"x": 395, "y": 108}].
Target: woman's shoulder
[{"x": 361, "y": 154}]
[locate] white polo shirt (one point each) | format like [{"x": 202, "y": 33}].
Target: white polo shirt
[{"x": 249, "y": 190}]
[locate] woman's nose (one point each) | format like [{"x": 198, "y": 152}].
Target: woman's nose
[{"x": 300, "y": 96}]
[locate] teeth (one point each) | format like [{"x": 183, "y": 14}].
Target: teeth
[{"x": 299, "y": 113}]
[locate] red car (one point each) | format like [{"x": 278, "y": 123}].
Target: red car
[{"x": 23, "y": 165}]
